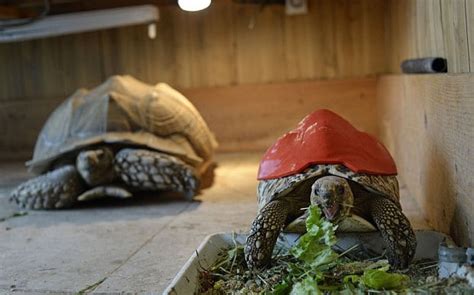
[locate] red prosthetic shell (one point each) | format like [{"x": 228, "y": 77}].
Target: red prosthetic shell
[{"x": 324, "y": 137}]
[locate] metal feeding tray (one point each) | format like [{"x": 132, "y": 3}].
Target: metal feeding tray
[{"x": 186, "y": 281}]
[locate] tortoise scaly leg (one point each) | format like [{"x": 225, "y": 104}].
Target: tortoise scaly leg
[
  {"x": 56, "y": 189},
  {"x": 152, "y": 170},
  {"x": 263, "y": 234},
  {"x": 396, "y": 231}
]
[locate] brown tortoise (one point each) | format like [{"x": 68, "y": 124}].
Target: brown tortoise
[
  {"x": 310, "y": 165},
  {"x": 122, "y": 136}
]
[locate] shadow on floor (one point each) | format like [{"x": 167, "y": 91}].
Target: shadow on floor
[{"x": 152, "y": 206}]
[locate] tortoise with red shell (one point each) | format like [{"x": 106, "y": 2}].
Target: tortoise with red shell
[{"x": 349, "y": 174}]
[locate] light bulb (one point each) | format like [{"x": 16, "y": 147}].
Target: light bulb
[{"x": 193, "y": 5}]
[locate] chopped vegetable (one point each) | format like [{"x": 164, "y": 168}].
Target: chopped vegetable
[{"x": 311, "y": 266}]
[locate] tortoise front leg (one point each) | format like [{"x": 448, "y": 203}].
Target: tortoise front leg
[
  {"x": 396, "y": 231},
  {"x": 264, "y": 232},
  {"x": 56, "y": 189},
  {"x": 152, "y": 170}
]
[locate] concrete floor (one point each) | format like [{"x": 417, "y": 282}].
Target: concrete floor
[{"x": 123, "y": 246}]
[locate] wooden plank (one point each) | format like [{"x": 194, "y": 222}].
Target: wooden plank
[
  {"x": 245, "y": 117},
  {"x": 214, "y": 47},
  {"x": 170, "y": 53},
  {"x": 346, "y": 22},
  {"x": 120, "y": 49},
  {"x": 401, "y": 33},
  {"x": 429, "y": 30},
  {"x": 372, "y": 37},
  {"x": 260, "y": 55},
  {"x": 455, "y": 35},
  {"x": 85, "y": 71},
  {"x": 30, "y": 69},
  {"x": 470, "y": 32},
  {"x": 303, "y": 47},
  {"x": 41, "y": 66},
  {"x": 252, "y": 117},
  {"x": 422, "y": 28},
  {"x": 10, "y": 73},
  {"x": 324, "y": 27},
  {"x": 212, "y": 54},
  {"x": 427, "y": 122},
  {"x": 21, "y": 123}
]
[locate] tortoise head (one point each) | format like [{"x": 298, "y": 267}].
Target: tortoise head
[
  {"x": 334, "y": 196},
  {"x": 96, "y": 166}
]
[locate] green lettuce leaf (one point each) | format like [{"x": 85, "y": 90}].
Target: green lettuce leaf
[
  {"x": 308, "y": 286},
  {"x": 314, "y": 247},
  {"x": 319, "y": 227},
  {"x": 381, "y": 279}
]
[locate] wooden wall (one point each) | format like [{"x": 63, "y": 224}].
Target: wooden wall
[
  {"x": 252, "y": 117},
  {"x": 422, "y": 28},
  {"x": 214, "y": 47},
  {"x": 427, "y": 122}
]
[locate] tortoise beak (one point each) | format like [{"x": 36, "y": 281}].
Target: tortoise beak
[{"x": 331, "y": 212}]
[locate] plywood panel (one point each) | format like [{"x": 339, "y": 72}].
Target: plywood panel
[
  {"x": 373, "y": 34},
  {"x": 252, "y": 117},
  {"x": 303, "y": 46},
  {"x": 455, "y": 35},
  {"x": 215, "y": 47},
  {"x": 336, "y": 39},
  {"x": 120, "y": 49},
  {"x": 470, "y": 32},
  {"x": 21, "y": 122},
  {"x": 260, "y": 55},
  {"x": 212, "y": 46},
  {"x": 427, "y": 122},
  {"x": 429, "y": 29},
  {"x": 81, "y": 66},
  {"x": 400, "y": 32},
  {"x": 426, "y": 28},
  {"x": 10, "y": 72},
  {"x": 245, "y": 117}
]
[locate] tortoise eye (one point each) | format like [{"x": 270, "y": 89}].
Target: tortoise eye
[
  {"x": 340, "y": 190},
  {"x": 316, "y": 189}
]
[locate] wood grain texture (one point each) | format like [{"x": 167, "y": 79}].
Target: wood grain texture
[
  {"x": 244, "y": 118},
  {"x": 214, "y": 47},
  {"x": 427, "y": 122},
  {"x": 21, "y": 122},
  {"x": 455, "y": 35},
  {"x": 426, "y": 28},
  {"x": 470, "y": 31},
  {"x": 252, "y": 117}
]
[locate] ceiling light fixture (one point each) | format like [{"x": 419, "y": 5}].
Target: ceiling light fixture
[{"x": 194, "y": 5}]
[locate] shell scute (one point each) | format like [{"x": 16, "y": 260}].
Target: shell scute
[{"x": 124, "y": 110}]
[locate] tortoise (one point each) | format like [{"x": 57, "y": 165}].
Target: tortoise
[
  {"x": 351, "y": 176},
  {"x": 123, "y": 136}
]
